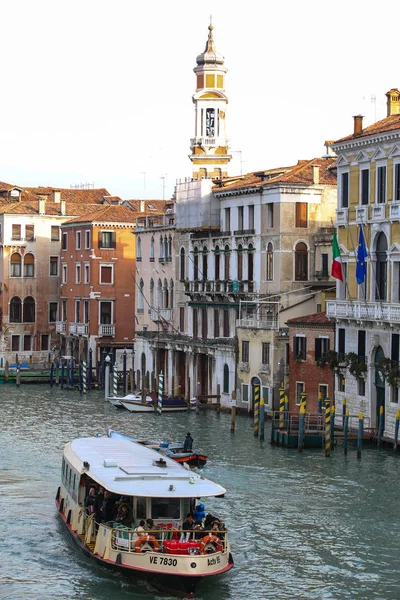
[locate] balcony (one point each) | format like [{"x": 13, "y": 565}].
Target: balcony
[
  {"x": 161, "y": 314},
  {"x": 106, "y": 330},
  {"x": 82, "y": 328},
  {"x": 72, "y": 329},
  {"x": 342, "y": 217},
  {"x": 219, "y": 287},
  {"x": 209, "y": 141},
  {"x": 322, "y": 275},
  {"x": 363, "y": 311},
  {"x": 254, "y": 323},
  {"x": 378, "y": 212},
  {"x": 394, "y": 211},
  {"x": 61, "y": 327},
  {"x": 244, "y": 232},
  {"x": 361, "y": 214}
]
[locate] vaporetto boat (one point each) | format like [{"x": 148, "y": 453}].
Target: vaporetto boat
[{"x": 152, "y": 487}]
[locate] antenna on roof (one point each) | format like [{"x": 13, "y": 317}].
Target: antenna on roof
[{"x": 82, "y": 186}]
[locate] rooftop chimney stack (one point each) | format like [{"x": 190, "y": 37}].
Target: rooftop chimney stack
[
  {"x": 56, "y": 196},
  {"x": 315, "y": 174},
  {"x": 393, "y": 102},
  {"x": 142, "y": 206},
  {"x": 358, "y": 124},
  {"x": 63, "y": 207}
]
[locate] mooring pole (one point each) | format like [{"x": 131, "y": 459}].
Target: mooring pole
[
  {"x": 344, "y": 407},
  {"x": 160, "y": 391},
  {"x": 124, "y": 372},
  {"x": 57, "y": 372},
  {"x": 300, "y": 440},
  {"x": 256, "y": 409},
  {"x": 360, "y": 434},
  {"x": 396, "y": 429},
  {"x": 107, "y": 376},
  {"x": 115, "y": 381},
  {"x": 380, "y": 426},
  {"x": 333, "y": 428},
  {"x": 346, "y": 430},
  {"x": 51, "y": 374},
  {"x": 262, "y": 418},
  {"x": 327, "y": 427},
  {"x": 84, "y": 374},
  {"x": 233, "y": 412},
  {"x": 62, "y": 373},
  {"x": 286, "y": 424},
  {"x": 319, "y": 403},
  {"x": 80, "y": 377},
  {"x": 281, "y": 407},
  {"x": 90, "y": 372}
]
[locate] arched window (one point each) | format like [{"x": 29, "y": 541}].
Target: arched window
[
  {"x": 250, "y": 266},
  {"x": 205, "y": 264},
  {"x": 171, "y": 293},
  {"x": 240, "y": 262},
  {"x": 301, "y": 262},
  {"x": 182, "y": 264},
  {"x": 29, "y": 265},
  {"x": 381, "y": 267},
  {"x": 15, "y": 310},
  {"x": 161, "y": 247},
  {"x": 165, "y": 294},
  {"x": 15, "y": 270},
  {"x": 169, "y": 254},
  {"x": 226, "y": 379},
  {"x": 196, "y": 264},
  {"x": 227, "y": 261},
  {"x": 152, "y": 249},
  {"x": 270, "y": 262},
  {"x": 28, "y": 310},
  {"x": 141, "y": 296},
  {"x": 159, "y": 294},
  {"x": 151, "y": 292},
  {"x": 217, "y": 263},
  {"x": 139, "y": 249}
]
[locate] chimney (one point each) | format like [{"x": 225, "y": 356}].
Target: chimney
[
  {"x": 358, "y": 124},
  {"x": 56, "y": 197},
  {"x": 42, "y": 206},
  {"x": 142, "y": 205},
  {"x": 63, "y": 207},
  {"x": 315, "y": 174},
  {"x": 393, "y": 102}
]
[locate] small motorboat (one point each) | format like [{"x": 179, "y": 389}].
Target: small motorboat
[
  {"x": 173, "y": 450},
  {"x": 118, "y": 401},
  {"x": 134, "y": 403}
]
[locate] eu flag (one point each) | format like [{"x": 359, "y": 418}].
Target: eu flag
[{"x": 361, "y": 268}]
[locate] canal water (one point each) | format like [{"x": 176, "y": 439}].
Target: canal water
[{"x": 301, "y": 526}]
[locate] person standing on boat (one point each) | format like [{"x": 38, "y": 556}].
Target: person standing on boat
[
  {"x": 90, "y": 500},
  {"x": 108, "y": 508},
  {"x": 188, "y": 445}
]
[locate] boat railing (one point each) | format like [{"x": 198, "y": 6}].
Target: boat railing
[{"x": 168, "y": 541}]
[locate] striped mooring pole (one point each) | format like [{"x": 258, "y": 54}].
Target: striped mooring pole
[
  {"x": 281, "y": 407},
  {"x": 346, "y": 430},
  {"x": 160, "y": 391},
  {"x": 360, "y": 434},
  {"x": 396, "y": 429},
  {"x": 332, "y": 427},
  {"x": 303, "y": 401},
  {"x": 115, "y": 381},
  {"x": 84, "y": 375},
  {"x": 72, "y": 372},
  {"x": 80, "y": 371},
  {"x": 262, "y": 418},
  {"x": 256, "y": 409},
  {"x": 380, "y": 426},
  {"x": 327, "y": 427},
  {"x": 301, "y": 428}
]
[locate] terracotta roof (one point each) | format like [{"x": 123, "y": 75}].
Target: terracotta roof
[
  {"x": 149, "y": 205},
  {"x": 387, "y": 124},
  {"x": 91, "y": 196},
  {"x": 106, "y": 214},
  {"x": 32, "y": 208},
  {"x": 314, "y": 319},
  {"x": 300, "y": 174}
]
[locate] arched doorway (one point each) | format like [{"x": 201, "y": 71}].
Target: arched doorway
[
  {"x": 379, "y": 386},
  {"x": 255, "y": 383}
]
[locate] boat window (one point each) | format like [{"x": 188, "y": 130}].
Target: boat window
[
  {"x": 63, "y": 468},
  {"x": 140, "y": 508},
  {"x": 70, "y": 477},
  {"x": 165, "y": 508},
  {"x": 66, "y": 475}
]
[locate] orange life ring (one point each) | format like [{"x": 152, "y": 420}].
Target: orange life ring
[
  {"x": 146, "y": 539},
  {"x": 210, "y": 539}
]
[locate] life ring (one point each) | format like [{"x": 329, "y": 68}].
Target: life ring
[
  {"x": 148, "y": 540},
  {"x": 210, "y": 543}
]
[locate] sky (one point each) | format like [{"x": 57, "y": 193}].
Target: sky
[{"x": 100, "y": 93}]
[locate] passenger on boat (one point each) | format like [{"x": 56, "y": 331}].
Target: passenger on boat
[
  {"x": 198, "y": 530},
  {"x": 216, "y": 529},
  {"x": 123, "y": 515},
  {"x": 199, "y": 513},
  {"x": 90, "y": 500},
  {"x": 99, "y": 503},
  {"x": 108, "y": 507},
  {"x": 188, "y": 445},
  {"x": 188, "y": 523},
  {"x": 140, "y": 530}
]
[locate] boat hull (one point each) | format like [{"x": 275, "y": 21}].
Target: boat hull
[{"x": 139, "y": 407}]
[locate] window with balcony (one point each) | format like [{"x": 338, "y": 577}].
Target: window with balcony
[
  {"x": 53, "y": 312},
  {"x": 139, "y": 249},
  {"x": 381, "y": 185},
  {"x": 77, "y": 273},
  {"x": 159, "y": 294},
  {"x": 107, "y": 240},
  {"x": 204, "y": 274},
  {"x": 250, "y": 266},
  {"x": 344, "y": 190},
  {"x": 15, "y": 265},
  {"x": 29, "y": 265},
  {"x": 301, "y": 214},
  {"x": 53, "y": 266},
  {"x": 216, "y": 322},
  {"x": 301, "y": 262},
  {"x": 265, "y": 353},
  {"x": 240, "y": 218},
  {"x": 299, "y": 391},
  {"x": 165, "y": 301},
  {"x": 227, "y": 262},
  {"x": 78, "y": 240},
  {"x": 152, "y": 249},
  {"x": 245, "y": 351},
  {"x": 64, "y": 242},
  {"x": 322, "y": 347},
  {"x": 105, "y": 312},
  {"x": 196, "y": 264},
  {"x": 251, "y": 216},
  {"x": 16, "y": 233},
  {"x": 299, "y": 347},
  {"x": 364, "y": 187},
  {"x": 29, "y": 233},
  {"x": 270, "y": 262},
  {"x": 27, "y": 343},
  {"x": 45, "y": 341},
  {"x": 28, "y": 310},
  {"x": 87, "y": 239},
  {"x": 55, "y": 233},
  {"x": 226, "y": 379},
  {"x": 381, "y": 267},
  {"x": 169, "y": 249},
  {"x": 15, "y": 310},
  {"x": 204, "y": 324},
  {"x": 227, "y": 219},
  {"x": 217, "y": 263},
  {"x": 141, "y": 297},
  {"x": 107, "y": 274},
  {"x": 15, "y": 343}
]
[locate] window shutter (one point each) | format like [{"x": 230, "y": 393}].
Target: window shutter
[
  {"x": 100, "y": 240},
  {"x": 317, "y": 348},
  {"x": 113, "y": 240}
]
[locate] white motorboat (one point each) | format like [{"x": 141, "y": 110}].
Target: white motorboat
[{"x": 152, "y": 487}]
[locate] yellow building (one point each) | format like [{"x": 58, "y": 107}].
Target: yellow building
[{"x": 368, "y": 312}]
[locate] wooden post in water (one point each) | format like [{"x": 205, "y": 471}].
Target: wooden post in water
[
  {"x": 256, "y": 415},
  {"x": 18, "y": 376},
  {"x": 51, "y": 374},
  {"x": 327, "y": 427},
  {"x": 124, "y": 382},
  {"x": 6, "y": 372},
  {"x": 62, "y": 373},
  {"x": 281, "y": 407},
  {"x": 107, "y": 377},
  {"x": 80, "y": 377},
  {"x": 286, "y": 424},
  {"x": 333, "y": 428},
  {"x": 57, "y": 372},
  {"x": 300, "y": 439},
  {"x": 233, "y": 412},
  {"x": 131, "y": 380},
  {"x": 218, "y": 399},
  {"x": 396, "y": 429},
  {"x": 380, "y": 426},
  {"x": 90, "y": 372},
  {"x": 262, "y": 418},
  {"x": 319, "y": 403},
  {"x": 360, "y": 434},
  {"x": 346, "y": 430},
  {"x": 344, "y": 407},
  {"x": 303, "y": 401}
]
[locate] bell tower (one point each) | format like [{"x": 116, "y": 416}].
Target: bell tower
[{"x": 209, "y": 147}]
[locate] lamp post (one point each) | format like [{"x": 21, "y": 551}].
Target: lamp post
[{"x": 107, "y": 377}]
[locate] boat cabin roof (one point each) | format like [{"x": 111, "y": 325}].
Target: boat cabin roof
[{"x": 130, "y": 469}]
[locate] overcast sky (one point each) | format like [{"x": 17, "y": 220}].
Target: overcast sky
[{"x": 101, "y": 92}]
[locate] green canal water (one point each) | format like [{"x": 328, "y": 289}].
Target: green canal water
[{"x": 301, "y": 526}]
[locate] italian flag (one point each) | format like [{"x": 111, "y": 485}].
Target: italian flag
[{"x": 336, "y": 270}]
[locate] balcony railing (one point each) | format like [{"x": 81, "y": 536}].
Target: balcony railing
[
  {"x": 106, "y": 330},
  {"x": 220, "y": 287},
  {"x": 161, "y": 314},
  {"x": 361, "y": 214},
  {"x": 82, "y": 328},
  {"x": 365, "y": 311},
  {"x": 394, "y": 211},
  {"x": 209, "y": 141},
  {"x": 72, "y": 328},
  {"x": 342, "y": 217},
  {"x": 378, "y": 212},
  {"x": 322, "y": 275},
  {"x": 61, "y": 326},
  {"x": 244, "y": 232},
  {"x": 252, "y": 323}
]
